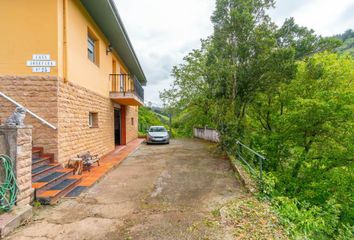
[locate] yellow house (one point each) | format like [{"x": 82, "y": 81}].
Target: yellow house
[{"x": 70, "y": 62}]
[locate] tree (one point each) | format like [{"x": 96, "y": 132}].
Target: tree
[{"x": 304, "y": 41}]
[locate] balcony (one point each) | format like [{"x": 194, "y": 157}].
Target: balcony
[{"x": 126, "y": 90}]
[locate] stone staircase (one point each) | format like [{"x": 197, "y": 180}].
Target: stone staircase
[{"x": 49, "y": 179}]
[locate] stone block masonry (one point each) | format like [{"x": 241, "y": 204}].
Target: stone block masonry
[
  {"x": 67, "y": 106},
  {"x": 40, "y": 95},
  {"x": 18, "y": 142},
  {"x": 74, "y": 133}
]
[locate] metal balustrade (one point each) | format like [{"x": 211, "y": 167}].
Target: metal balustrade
[{"x": 126, "y": 84}]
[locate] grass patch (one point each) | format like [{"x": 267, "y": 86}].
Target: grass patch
[{"x": 251, "y": 219}]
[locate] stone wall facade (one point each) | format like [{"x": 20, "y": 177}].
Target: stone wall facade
[
  {"x": 131, "y": 123},
  {"x": 40, "y": 95},
  {"x": 74, "y": 133},
  {"x": 18, "y": 144},
  {"x": 66, "y": 106}
]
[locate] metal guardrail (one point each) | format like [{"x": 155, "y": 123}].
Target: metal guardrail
[
  {"x": 43, "y": 121},
  {"x": 126, "y": 83},
  {"x": 250, "y": 158}
]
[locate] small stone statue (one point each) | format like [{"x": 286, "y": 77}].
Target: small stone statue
[{"x": 17, "y": 118}]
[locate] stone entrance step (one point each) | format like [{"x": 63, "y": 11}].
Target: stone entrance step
[
  {"x": 49, "y": 179},
  {"x": 76, "y": 192},
  {"x": 53, "y": 194},
  {"x": 44, "y": 170}
]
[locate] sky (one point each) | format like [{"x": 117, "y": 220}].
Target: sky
[{"x": 164, "y": 31}]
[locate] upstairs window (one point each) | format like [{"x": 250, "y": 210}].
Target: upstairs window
[{"x": 92, "y": 48}]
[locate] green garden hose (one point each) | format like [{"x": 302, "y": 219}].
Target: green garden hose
[{"x": 9, "y": 188}]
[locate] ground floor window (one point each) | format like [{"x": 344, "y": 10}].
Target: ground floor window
[{"x": 93, "y": 120}]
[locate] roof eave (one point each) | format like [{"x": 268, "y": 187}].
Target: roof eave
[{"x": 114, "y": 31}]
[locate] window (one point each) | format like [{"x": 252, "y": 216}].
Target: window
[
  {"x": 92, "y": 48},
  {"x": 132, "y": 119},
  {"x": 93, "y": 120}
]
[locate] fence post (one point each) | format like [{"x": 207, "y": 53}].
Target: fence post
[
  {"x": 260, "y": 167},
  {"x": 240, "y": 149}
]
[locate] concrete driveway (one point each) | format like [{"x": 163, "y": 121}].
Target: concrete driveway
[{"x": 159, "y": 192}]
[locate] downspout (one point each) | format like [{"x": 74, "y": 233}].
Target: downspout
[{"x": 65, "y": 50}]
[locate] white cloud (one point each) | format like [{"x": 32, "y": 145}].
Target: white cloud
[
  {"x": 324, "y": 16},
  {"x": 164, "y": 31}
]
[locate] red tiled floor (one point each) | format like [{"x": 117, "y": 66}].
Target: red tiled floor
[{"x": 108, "y": 162}]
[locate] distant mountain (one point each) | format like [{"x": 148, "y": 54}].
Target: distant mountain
[
  {"x": 348, "y": 42},
  {"x": 346, "y": 35}
]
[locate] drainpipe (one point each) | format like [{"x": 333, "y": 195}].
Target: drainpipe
[{"x": 65, "y": 55}]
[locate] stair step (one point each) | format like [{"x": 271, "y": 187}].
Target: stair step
[
  {"x": 37, "y": 151},
  {"x": 76, "y": 192},
  {"x": 51, "y": 177},
  {"x": 52, "y": 195},
  {"x": 43, "y": 169},
  {"x": 50, "y": 180},
  {"x": 38, "y": 161},
  {"x": 62, "y": 185}
]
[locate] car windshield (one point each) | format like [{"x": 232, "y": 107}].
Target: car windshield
[{"x": 157, "y": 129}]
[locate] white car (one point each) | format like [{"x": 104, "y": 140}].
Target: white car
[{"x": 158, "y": 134}]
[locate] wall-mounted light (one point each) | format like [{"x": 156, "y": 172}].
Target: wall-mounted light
[{"x": 109, "y": 49}]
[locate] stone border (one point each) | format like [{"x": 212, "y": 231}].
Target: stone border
[
  {"x": 246, "y": 180},
  {"x": 11, "y": 220}
]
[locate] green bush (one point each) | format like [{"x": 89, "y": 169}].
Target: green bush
[{"x": 306, "y": 221}]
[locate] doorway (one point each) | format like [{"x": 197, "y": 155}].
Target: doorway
[{"x": 117, "y": 127}]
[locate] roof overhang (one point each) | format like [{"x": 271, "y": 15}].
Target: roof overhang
[{"x": 106, "y": 16}]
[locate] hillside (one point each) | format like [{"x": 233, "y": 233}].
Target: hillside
[
  {"x": 148, "y": 118},
  {"x": 348, "y": 42},
  {"x": 347, "y": 47}
]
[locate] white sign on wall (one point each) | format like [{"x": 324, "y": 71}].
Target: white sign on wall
[
  {"x": 32, "y": 63},
  {"x": 39, "y": 57},
  {"x": 41, "y": 69},
  {"x": 41, "y": 63}
]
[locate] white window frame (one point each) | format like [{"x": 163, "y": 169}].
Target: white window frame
[{"x": 90, "y": 121}]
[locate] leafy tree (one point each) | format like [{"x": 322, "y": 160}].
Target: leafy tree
[
  {"x": 303, "y": 40},
  {"x": 282, "y": 91}
]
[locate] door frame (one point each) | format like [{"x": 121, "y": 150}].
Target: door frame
[{"x": 122, "y": 125}]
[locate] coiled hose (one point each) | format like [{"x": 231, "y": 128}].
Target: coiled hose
[{"x": 9, "y": 188}]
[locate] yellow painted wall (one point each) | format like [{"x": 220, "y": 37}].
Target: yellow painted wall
[
  {"x": 80, "y": 70},
  {"x": 37, "y": 27},
  {"x": 26, "y": 28}
]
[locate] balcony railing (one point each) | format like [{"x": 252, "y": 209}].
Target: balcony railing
[{"x": 126, "y": 86}]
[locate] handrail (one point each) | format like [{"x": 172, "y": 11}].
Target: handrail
[
  {"x": 259, "y": 158},
  {"x": 28, "y": 111}
]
